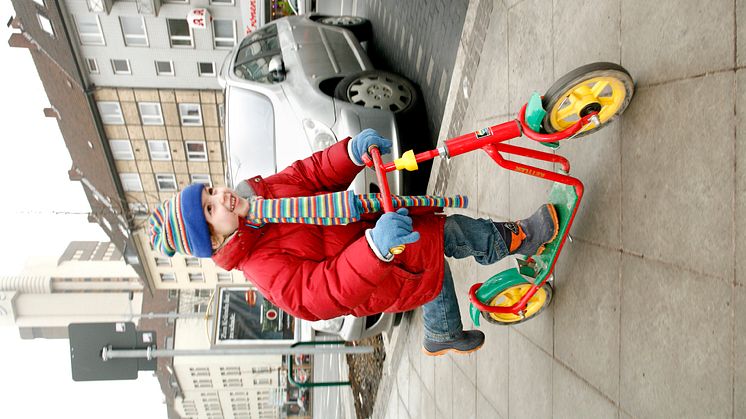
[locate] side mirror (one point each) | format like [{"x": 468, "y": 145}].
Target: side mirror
[{"x": 276, "y": 69}]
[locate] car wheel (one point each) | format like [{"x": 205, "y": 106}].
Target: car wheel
[
  {"x": 378, "y": 89},
  {"x": 359, "y": 26}
]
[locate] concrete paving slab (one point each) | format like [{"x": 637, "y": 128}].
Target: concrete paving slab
[
  {"x": 427, "y": 373},
  {"x": 661, "y": 42},
  {"x": 464, "y": 396},
  {"x": 740, "y": 175},
  {"x": 392, "y": 407},
  {"x": 530, "y": 379},
  {"x": 493, "y": 372},
  {"x": 529, "y": 50},
  {"x": 427, "y": 408},
  {"x": 402, "y": 379},
  {"x": 489, "y": 95},
  {"x": 741, "y": 32},
  {"x": 676, "y": 355},
  {"x": 584, "y": 33},
  {"x": 414, "y": 398},
  {"x": 493, "y": 195},
  {"x": 414, "y": 341},
  {"x": 485, "y": 410},
  {"x": 575, "y": 399},
  {"x": 739, "y": 391},
  {"x": 402, "y": 411},
  {"x": 527, "y": 192},
  {"x": 444, "y": 386},
  {"x": 596, "y": 161},
  {"x": 586, "y": 314},
  {"x": 677, "y": 167},
  {"x": 463, "y": 180}
]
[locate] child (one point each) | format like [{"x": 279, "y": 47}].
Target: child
[{"x": 320, "y": 272}]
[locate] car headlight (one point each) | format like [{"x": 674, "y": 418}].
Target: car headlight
[
  {"x": 328, "y": 326},
  {"x": 319, "y": 135}
]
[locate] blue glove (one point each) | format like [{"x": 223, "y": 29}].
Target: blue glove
[
  {"x": 393, "y": 229},
  {"x": 368, "y": 137}
]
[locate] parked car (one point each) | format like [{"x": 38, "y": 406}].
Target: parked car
[{"x": 296, "y": 86}]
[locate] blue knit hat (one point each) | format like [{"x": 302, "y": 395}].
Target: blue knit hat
[{"x": 179, "y": 225}]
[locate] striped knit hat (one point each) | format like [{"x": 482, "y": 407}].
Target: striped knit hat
[{"x": 179, "y": 225}]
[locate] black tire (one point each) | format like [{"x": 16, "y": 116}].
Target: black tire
[
  {"x": 359, "y": 26},
  {"x": 560, "y": 90},
  {"x": 378, "y": 89},
  {"x": 548, "y": 289}
]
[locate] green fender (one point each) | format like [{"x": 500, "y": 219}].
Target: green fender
[{"x": 495, "y": 285}]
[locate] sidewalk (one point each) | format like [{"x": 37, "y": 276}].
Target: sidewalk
[{"x": 649, "y": 316}]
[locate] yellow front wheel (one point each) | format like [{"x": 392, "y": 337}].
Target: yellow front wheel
[
  {"x": 605, "y": 88},
  {"x": 506, "y": 298}
]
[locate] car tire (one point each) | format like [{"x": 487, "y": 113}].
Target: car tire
[
  {"x": 359, "y": 26},
  {"x": 378, "y": 89}
]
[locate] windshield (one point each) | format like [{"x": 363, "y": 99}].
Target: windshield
[
  {"x": 252, "y": 59},
  {"x": 250, "y": 135}
]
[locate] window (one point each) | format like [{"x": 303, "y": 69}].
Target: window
[
  {"x": 138, "y": 209},
  {"x": 46, "y": 24},
  {"x": 159, "y": 150},
  {"x": 228, "y": 2},
  {"x": 206, "y": 69},
  {"x": 190, "y": 113},
  {"x": 202, "y": 293},
  {"x": 180, "y": 33},
  {"x": 191, "y": 262},
  {"x": 168, "y": 277},
  {"x": 111, "y": 113},
  {"x": 201, "y": 178},
  {"x": 92, "y": 65},
  {"x": 150, "y": 113},
  {"x": 164, "y": 68},
  {"x": 196, "y": 277},
  {"x": 166, "y": 181},
  {"x": 121, "y": 66},
  {"x": 133, "y": 30},
  {"x": 224, "y": 33},
  {"x": 196, "y": 150},
  {"x": 224, "y": 277},
  {"x": 200, "y": 308},
  {"x": 121, "y": 149},
  {"x": 89, "y": 30},
  {"x": 162, "y": 261},
  {"x": 131, "y": 182}
]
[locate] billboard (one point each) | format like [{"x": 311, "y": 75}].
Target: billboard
[{"x": 245, "y": 317}]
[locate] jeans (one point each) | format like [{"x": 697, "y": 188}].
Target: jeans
[{"x": 463, "y": 237}]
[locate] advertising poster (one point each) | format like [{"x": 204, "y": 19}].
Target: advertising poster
[{"x": 245, "y": 316}]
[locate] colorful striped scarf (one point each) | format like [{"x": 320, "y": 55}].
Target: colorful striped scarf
[{"x": 337, "y": 208}]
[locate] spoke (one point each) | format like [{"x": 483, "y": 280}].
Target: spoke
[
  {"x": 605, "y": 101},
  {"x": 566, "y": 112},
  {"x": 599, "y": 87}
]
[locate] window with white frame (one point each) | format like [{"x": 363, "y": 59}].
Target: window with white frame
[
  {"x": 133, "y": 30},
  {"x": 46, "y": 24},
  {"x": 121, "y": 150},
  {"x": 131, "y": 182},
  {"x": 150, "y": 113},
  {"x": 162, "y": 261},
  {"x": 206, "y": 69},
  {"x": 224, "y": 33},
  {"x": 196, "y": 150},
  {"x": 92, "y": 65},
  {"x": 222, "y": 2},
  {"x": 191, "y": 262},
  {"x": 190, "y": 113},
  {"x": 89, "y": 30},
  {"x": 159, "y": 150},
  {"x": 166, "y": 182},
  {"x": 111, "y": 113},
  {"x": 196, "y": 277},
  {"x": 121, "y": 66},
  {"x": 224, "y": 277},
  {"x": 168, "y": 277},
  {"x": 180, "y": 33},
  {"x": 164, "y": 68},
  {"x": 201, "y": 178},
  {"x": 138, "y": 209}
]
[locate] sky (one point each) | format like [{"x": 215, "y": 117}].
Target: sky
[{"x": 34, "y": 162}]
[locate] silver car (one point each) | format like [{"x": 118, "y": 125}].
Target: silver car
[{"x": 296, "y": 86}]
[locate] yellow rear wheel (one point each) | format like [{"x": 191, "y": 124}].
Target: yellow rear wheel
[
  {"x": 506, "y": 298},
  {"x": 605, "y": 88}
]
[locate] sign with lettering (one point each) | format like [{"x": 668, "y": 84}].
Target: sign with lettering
[
  {"x": 245, "y": 316},
  {"x": 199, "y": 18}
]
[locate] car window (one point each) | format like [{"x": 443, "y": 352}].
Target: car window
[
  {"x": 252, "y": 60},
  {"x": 251, "y": 134}
]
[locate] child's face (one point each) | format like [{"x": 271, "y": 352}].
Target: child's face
[{"x": 222, "y": 208}]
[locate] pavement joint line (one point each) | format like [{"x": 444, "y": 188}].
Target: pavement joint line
[{"x": 685, "y": 78}]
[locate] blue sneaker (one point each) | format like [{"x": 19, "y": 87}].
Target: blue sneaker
[{"x": 468, "y": 342}]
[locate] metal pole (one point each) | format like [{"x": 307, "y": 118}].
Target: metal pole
[{"x": 151, "y": 352}]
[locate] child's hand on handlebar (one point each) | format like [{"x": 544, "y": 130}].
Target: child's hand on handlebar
[
  {"x": 393, "y": 229},
  {"x": 368, "y": 137}
]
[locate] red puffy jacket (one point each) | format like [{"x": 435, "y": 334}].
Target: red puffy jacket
[{"x": 321, "y": 272}]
